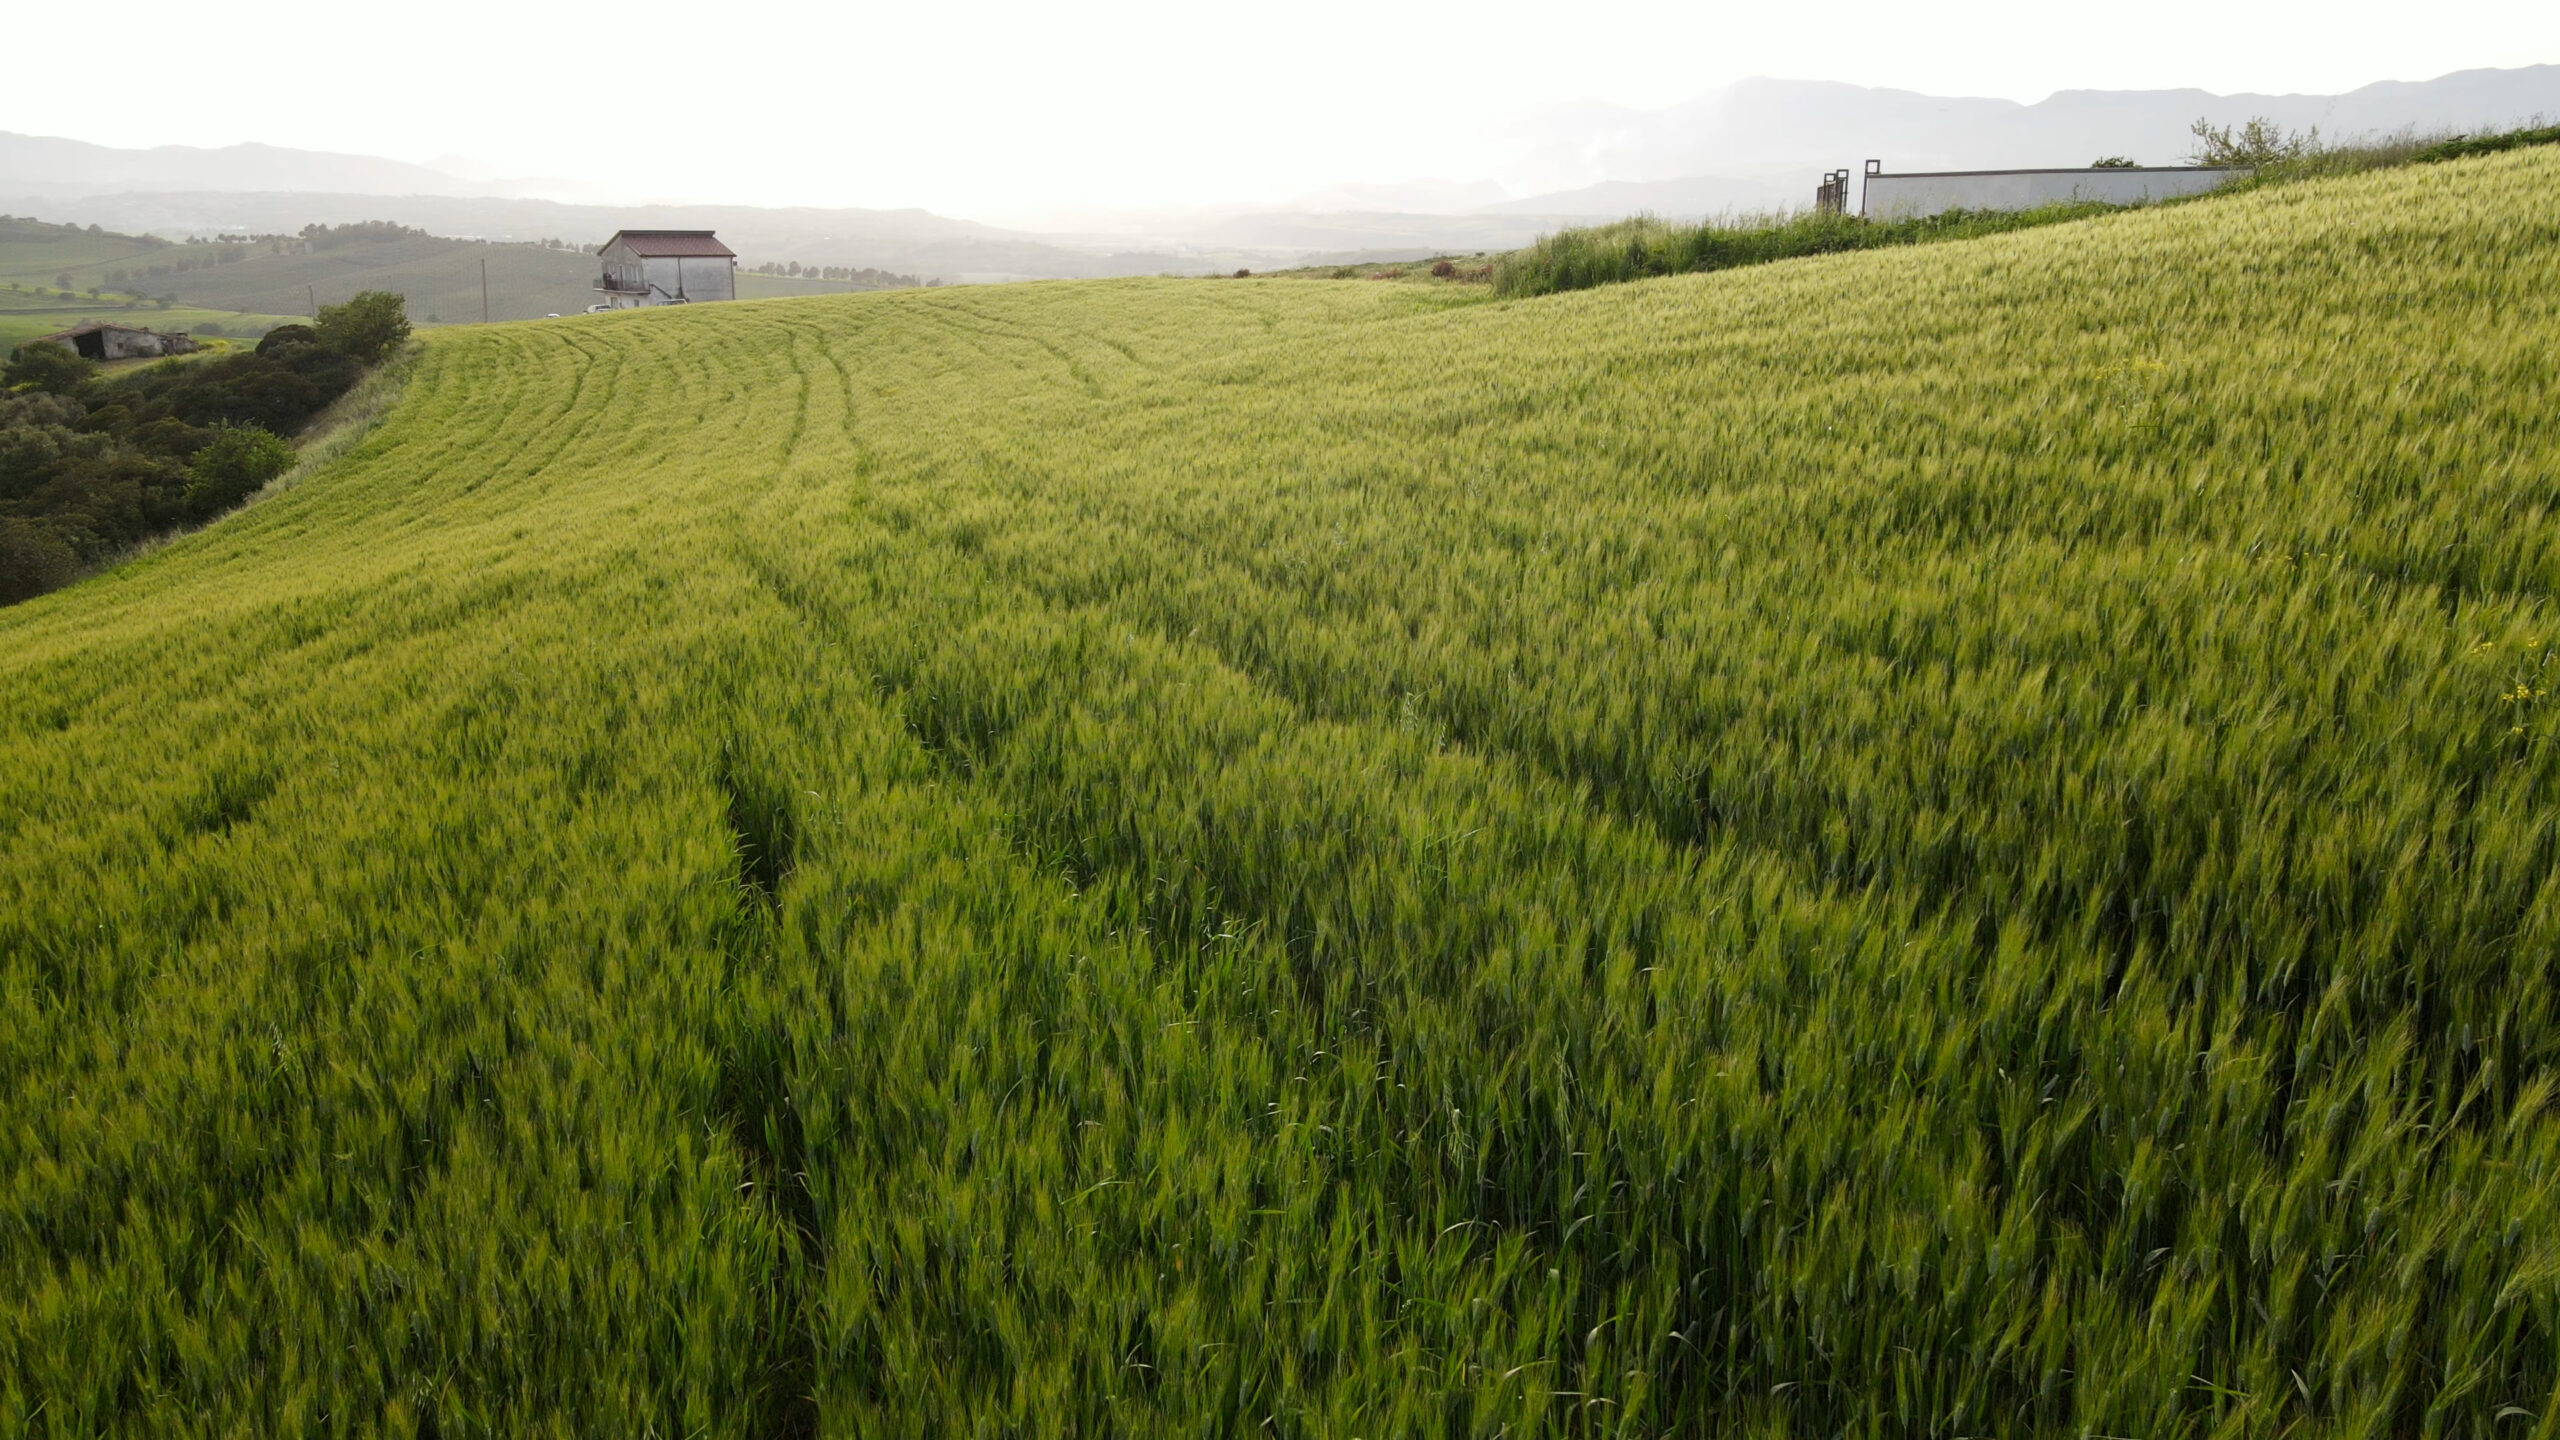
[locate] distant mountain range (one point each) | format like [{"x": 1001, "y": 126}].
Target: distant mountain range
[
  {"x": 1756, "y": 145},
  {"x": 1759, "y": 130},
  {"x": 50, "y": 166}
]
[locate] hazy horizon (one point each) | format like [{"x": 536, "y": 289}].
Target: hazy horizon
[{"x": 1017, "y": 109}]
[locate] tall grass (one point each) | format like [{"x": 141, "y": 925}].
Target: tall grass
[
  {"x": 1948, "y": 841},
  {"x": 1644, "y": 247}
]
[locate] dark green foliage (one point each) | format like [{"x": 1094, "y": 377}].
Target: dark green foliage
[
  {"x": 89, "y": 466},
  {"x": 231, "y": 467},
  {"x": 50, "y": 366},
  {"x": 360, "y": 232},
  {"x": 1644, "y": 248},
  {"x": 284, "y": 335},
  {"x": 34, "y": 558},
  {"x": 365, "y": 328},
  {"x": 2463, "y": 145},
  {"x": 2115, "y": 162},
  {"x": 278, "y": 392}
]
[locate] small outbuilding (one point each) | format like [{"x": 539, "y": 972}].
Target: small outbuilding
[
  {"x": 105, "y": 340},
  {"x": 666, "y": 267}
]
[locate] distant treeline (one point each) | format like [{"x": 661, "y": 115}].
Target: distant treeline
[
  {"x": 89, "y": 466},
  {"x": 27, "y": 227},
  {"x": 862, "y": 275},
  {"x": 198, "y": 254}
]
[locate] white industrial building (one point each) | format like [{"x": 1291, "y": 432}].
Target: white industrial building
[
  {"x": 1934, "y": 192},
  {"x": 665, "y": 267}
]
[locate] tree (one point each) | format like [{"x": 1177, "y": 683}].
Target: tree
[
  {"x": 366, "y": 328},
  {"x": 49, "y": 366},
  {"x": 228, "y": 471},
  {"x": 2259, "y": 142},
  {"x": 33, "y": 559},
  {"x": 2114, "y": 162},
  {"x": 284, "y": 335}
]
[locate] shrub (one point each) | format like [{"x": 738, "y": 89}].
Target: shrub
[
  {"x": 2258, "y": 142},
  {"x": 2462, "y": 145},
  {"x": 50, "y": 366},
  {"x": 230, "y": 469},
  {"x": 1645, "y": 247},
  {"x": 366, "y": 328},
  {"x": 284, "y": 335},
  {"x": 1443, "y": 269},
  {"x": 33, "y": 559}
]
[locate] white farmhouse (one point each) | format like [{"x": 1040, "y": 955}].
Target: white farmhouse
[{"x": 666, "y": 267}]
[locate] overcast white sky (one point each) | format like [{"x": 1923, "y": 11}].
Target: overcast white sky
[{"x": 1003, "y": 107}]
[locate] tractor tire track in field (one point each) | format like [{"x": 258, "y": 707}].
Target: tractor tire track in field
[
  {"x": 849, "y": 423},
  {"x": 799, "y": 334},
  {"x": 756, "y": 1096},
  {"x": 555, "y": 431},
  {"x": 968, "y": 739},
  {"x": 950, "y": 312}
]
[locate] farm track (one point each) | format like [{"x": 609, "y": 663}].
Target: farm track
[{"x": 1941, "y": 841}]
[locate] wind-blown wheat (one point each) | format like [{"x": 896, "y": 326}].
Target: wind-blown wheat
[{"x": 1926, "y": 842}]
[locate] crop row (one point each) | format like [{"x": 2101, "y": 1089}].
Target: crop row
[{"x": 1953, "y": 840}]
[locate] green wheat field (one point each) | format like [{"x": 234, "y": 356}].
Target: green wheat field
[{"x": 1945, "y": 841}]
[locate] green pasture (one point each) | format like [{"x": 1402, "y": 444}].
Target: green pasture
[
  {"x": 440, "y": 277},
  {"x": 24, "y": 317},
  {"x": 1955, "y": 840}
]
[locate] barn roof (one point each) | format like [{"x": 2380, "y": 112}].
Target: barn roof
[
  {"x": 687, "y": 244},
  {"x": 88, "y": 327}
]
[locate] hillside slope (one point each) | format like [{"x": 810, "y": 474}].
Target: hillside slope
[{"x": 1940, "y": 841}]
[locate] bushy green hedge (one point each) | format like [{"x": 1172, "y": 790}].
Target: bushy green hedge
[
  {"x": 1642, "y": 248},
  {"x": 2462, "y": 145},
  {"x": 89, "y": 465}
]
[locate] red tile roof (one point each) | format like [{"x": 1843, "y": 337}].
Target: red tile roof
[{"x": 686, "y": 243}]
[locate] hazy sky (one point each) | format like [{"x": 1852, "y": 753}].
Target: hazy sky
[{"x": 1003, "y": 107}]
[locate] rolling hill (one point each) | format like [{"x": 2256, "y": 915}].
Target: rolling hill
[
  {"x": 441, "y": 279},
  {"x": 49, "y": 269},
  {"x": 905, "y": 241},
  {"x": 1952, "y": 840}
]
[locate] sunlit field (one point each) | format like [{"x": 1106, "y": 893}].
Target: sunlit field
[{"x": 1942, "y": 841}]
